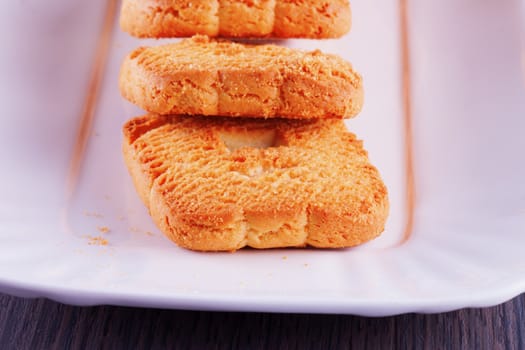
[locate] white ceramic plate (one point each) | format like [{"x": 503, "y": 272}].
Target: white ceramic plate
[{"x": 454, "y": 164}]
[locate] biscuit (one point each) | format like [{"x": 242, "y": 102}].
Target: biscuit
[
  {"x": 204, "y": 76},
  {"x": 314, "y": 19},
  {"x": 220, "y": 184}
]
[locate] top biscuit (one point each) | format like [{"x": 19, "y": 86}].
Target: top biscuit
[{"x": 314, "y": 19}]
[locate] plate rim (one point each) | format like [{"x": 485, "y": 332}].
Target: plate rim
[{"x": 217, "y": 302}]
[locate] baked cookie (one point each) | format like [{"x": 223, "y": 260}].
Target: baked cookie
[
  {"x": 203, "y": 76},
  {"x": 220, "y": 184},
  {"x": 236, "y": 18}
]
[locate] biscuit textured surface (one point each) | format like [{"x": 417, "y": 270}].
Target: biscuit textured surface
[
  {"x": 220, "y": 184},
  {"x": 236, "y": 18},
  {"x": 203, "y": 76}
]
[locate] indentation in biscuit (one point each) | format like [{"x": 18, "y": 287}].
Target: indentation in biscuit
[
  {"x": 235, "y": 139},
  {"x": 250, "y": 150}
]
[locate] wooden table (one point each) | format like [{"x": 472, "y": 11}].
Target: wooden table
[{"x": 43, "y": 324}]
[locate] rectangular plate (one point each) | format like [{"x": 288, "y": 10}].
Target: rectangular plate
[{"x": 443, "y": 119}]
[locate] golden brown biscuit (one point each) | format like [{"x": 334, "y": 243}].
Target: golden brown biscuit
[
  {"x": 236, "y": 18},
  {"x": 220, "y": 78},
  {"x": 219, "y": 184}
]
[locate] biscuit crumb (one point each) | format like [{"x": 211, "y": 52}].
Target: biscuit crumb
[
  {"x": 149, "y": 233},
  {"x": 98, "y": 240},
  {"x": 305, "y": 265},
  {"x": 284, "y": 257},
  {"x": 103, "y": 229}
]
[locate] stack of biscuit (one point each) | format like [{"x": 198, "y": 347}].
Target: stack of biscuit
[{"x": 245, "y": 144}]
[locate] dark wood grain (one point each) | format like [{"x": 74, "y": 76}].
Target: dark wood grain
[{"x": 43, "y": 324}]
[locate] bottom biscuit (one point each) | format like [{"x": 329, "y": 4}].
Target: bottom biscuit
[{"x": 220, "y": 184}]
